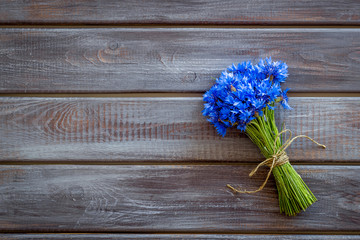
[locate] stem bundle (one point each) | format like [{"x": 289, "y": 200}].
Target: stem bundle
[{"x": 294, "y": 195}]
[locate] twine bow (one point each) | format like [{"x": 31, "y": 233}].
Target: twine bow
[{"x": 277, "y": 159}]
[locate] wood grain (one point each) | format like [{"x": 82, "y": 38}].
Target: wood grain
[
  {"x": 164, "y": 130},
  {"x": 168, "y": 198},
  {"x": 175, "y": 236},
  {"x": 181, "y": 12},
  {"x": 171, "y": 60}
]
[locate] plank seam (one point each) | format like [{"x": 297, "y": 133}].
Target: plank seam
[
  {"x": 172, "y": 163},
  {"x": 175, "y": 25},
  {"x": 283, "y": 233},
  {"x": 164, "y": 94}
]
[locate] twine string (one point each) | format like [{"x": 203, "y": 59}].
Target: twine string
[{"x": 277, "y": 159}]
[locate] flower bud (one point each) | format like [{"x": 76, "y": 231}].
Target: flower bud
[{"x": 279, "y": 99}]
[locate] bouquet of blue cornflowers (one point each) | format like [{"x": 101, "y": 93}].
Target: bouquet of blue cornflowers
[{"x": 245, "y": 96}]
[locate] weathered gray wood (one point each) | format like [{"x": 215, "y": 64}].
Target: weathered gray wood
[
  {"x": 171, "y": 60},
  {"x": 175, "y": 236},
  {"x": 169, "y": 198},
  {"x": 164, "y": 129},
  {"x": 181, "y": 12}
]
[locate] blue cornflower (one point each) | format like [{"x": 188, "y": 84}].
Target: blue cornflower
[
  {"x": 221, "y": 128},
  {"x": 284, "y": 99},
  {"x": 242, "y": 68},
  {"x": 242, "y": 92},
  {"x": 276, "y": 70}
]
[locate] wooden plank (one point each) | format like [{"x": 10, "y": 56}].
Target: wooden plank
[
  {"x": 169, "y": 198},
  {"x": 164, "y": 129},
  {"x": 171, "y": 60},
  {"x": 181, "y": 12},
  {"x": 174, "y": 236}
]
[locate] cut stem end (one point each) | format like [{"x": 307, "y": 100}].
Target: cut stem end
[{"x": 294, "y": 194}]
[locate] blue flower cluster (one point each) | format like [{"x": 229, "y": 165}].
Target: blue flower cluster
[{"x": 242, "y": 92}]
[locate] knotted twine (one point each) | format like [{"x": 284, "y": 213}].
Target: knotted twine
[{"x": 277, "y": 159}]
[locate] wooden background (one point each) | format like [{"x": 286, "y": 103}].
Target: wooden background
[{"x": 101, "y": 131}]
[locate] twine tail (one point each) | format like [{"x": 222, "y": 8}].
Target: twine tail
[{"x": 266, "y": 162}]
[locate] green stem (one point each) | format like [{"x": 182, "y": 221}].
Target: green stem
[{"x": 294, "y": 194}]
